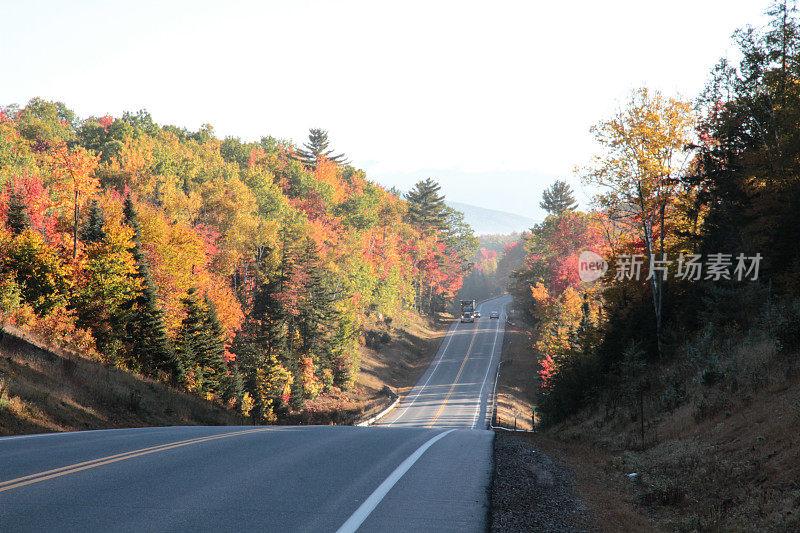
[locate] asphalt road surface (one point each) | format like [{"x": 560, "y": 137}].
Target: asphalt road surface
[
  {"x": 424, "y": 469},
  {"x": 453, "y": 392}
]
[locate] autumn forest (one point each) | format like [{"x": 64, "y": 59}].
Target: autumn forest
[
  {"x": 238, "y": 271},
  {"x": 694, "y": 220}
]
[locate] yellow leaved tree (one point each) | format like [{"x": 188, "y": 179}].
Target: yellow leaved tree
[{"x": 645, "y": 150}]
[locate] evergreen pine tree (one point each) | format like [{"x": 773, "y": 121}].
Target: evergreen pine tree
[
  {"x": 342, "y": 352},
  {"x": 427, "y": 209},
  {"x": 249, "y": 358},
  {"x": 17, "y": 216},
  {"x": 185, "y": 358},
  {"x": 214, "y": 349},
  {"x": 145, "y": 330},
  {"x": 270, "y": 317},
  {"x": 558, "y": 198},
  {"x": 233, "y": 387},
  {"x": 201, "y": 346},
  {"x": 296, "y": 399},
  {"x": 318, "y": 314},
  {"x": 192, "y": 338},
  {"x": 92, "y": 230},
  {"x": 317, "y": 148}
]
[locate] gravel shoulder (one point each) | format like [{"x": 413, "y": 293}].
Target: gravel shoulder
[{"x": 532, "y": 492}]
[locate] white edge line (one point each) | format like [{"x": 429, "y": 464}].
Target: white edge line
[
  {"x": 369, "y": 505},
  {"x": 441, "y": 356},
  {"x": 488, "y": 367}
]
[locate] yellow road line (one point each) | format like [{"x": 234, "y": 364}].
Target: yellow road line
[
  {"x": 71, "y": 469},
  {"x": 455, "y": 381}
]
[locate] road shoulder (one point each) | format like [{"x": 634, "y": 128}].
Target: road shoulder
[{"x": 532, "y": 492}]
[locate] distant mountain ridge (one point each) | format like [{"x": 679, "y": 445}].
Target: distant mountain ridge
[{"x": 491, "y": 221}]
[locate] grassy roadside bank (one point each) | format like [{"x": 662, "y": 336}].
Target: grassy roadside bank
[
  {"x": 516, "y": 384},
  {"x": 735, "y": 469},
  {"x": 42, "y": 392},
  {"x": 45, "y": 390}
]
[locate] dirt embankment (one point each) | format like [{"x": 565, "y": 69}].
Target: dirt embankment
[
  {"x": 41, "y": 391},
  {"x": 544, "y": 484},
  {"x": 717, "y": 455},
  {"x": 734, "y": 470}
]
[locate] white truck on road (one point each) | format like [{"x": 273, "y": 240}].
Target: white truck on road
[{"x": 467, "y": 310}]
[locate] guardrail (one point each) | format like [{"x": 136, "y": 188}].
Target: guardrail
[
  {"x": 494, "y": 418},
  {"x": 380, "y": 415},
  {"x": 395, "y": 400}
]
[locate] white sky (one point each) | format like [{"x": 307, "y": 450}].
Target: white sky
[{"x": 493, "y": 99}]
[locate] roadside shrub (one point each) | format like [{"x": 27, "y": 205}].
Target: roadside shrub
[
  {"x": 674, "y": 393},
  {"x": 711, "y": 375},
  {"x": 4, "y": 399},
  {"x": 705, "y": 355},
  {"x": 570, "y": 389},
  {"x": 10, "y": 296},
  {"x": 372, "y": 339},
  {"x": 134, "y": 400},
  {"x": 58, "y": 328},
  {"x": 786, "y": 324},
  {"x": 732, "y": 308},
  {"x": 709, "y": 405},
  {"x": 327, "y": 380},
  {"x": 307, "y": 379}
]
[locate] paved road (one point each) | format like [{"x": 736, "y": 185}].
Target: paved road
[
  {"x": 454, "y": 391},
  {"x": 407, "y": 477}
]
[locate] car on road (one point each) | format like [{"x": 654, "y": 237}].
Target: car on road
[
  {"x": 494, "y": 314},
  {"x": 477, "y": 314}
]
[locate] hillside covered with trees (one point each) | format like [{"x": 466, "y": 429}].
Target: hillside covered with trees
[
  {"x": 495, "y": 260},
  {"x": 687, "y": 320},
  {"x": 696, "y": 217},
  {"x": 239, "y": 271}
]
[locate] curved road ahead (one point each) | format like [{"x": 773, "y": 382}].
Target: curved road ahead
[{"x": 424, "y": 469}]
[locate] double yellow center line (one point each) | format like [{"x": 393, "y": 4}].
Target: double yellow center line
[
  {"x": 455, "y": 381},
  {"x": 71, "y": 469}
]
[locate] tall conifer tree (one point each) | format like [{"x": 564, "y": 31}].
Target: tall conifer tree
[
  {"x": 427, "y": 209},
  {"x": 146, "y": 332},
  {"x": 92, "y": 230},
  {"x": 17, "y": 216},
  {"x": 317, "y": 148},
  {"x": 558, "y": 198}
]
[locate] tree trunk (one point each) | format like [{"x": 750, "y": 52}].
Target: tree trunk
[
  {"x": 641, "y": 413},
  {"x": 655, "y": 281},
  {"x": 75, "y": 232}
]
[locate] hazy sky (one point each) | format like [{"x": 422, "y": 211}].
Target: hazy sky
[{"x": 493, "y": 99}]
